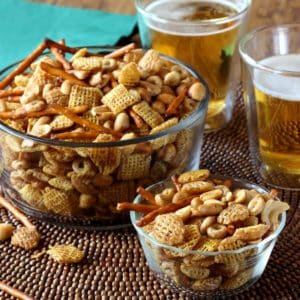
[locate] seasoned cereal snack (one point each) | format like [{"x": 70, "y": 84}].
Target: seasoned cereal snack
[
  {"x": 97, "y": 99},
  {"x": 213, "y": 228}
]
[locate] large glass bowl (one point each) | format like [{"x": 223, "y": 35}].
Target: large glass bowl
[
  {"x": 186, "y": 136},
  {"x": 235, "y": 270}
]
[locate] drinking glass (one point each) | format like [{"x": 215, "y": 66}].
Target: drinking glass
[
  {"x": 271, "y": 78},
  {"x": 204, "y": 35}
]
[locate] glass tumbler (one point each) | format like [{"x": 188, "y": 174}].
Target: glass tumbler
[
  {"x": 204, "y": 35},
  {"x": 271, "y": 77}
]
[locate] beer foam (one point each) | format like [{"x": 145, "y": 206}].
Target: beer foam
[
  {"x": 170, "y": 11},
  {"x": 277, "y": 85}
]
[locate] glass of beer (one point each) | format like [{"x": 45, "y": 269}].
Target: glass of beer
[
  {"x": 271, "y": 77},
  {"x": 203, "y": 34}
]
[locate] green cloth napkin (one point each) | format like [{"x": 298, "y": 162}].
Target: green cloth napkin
[{"x": 23, "y": 25}]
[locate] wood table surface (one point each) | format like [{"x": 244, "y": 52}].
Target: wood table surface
[{"x": 262, "y": 13}]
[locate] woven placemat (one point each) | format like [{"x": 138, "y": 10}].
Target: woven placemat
[{"x": 115, "y": 266}]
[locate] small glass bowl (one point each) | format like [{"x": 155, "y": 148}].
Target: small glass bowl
[
  {"x": 243, "y": 266},
  {"x": 70, "y": 155}
]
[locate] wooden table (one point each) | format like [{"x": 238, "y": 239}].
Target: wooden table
[{"x": 262, "y": 12}]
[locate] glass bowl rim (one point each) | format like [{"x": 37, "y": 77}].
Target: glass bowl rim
[
  {"x": 183, "y": 124},
  {"x": 247, "y": 58},
  {"x": 273, "y": 236},
  {"x": 141, "y": 8}
]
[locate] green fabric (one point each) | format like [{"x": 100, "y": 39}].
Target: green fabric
[{"x": 23, "y": 25}]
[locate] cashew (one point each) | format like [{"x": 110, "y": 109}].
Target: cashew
[
  {"x": 217, "y": 231},
  {"x": 256, "y": 205},
  {"x": 184, "y": 213},
  {"x": 96, "y": 79},
  {"x": 197, "y": 187},
  {"x": 240, "y": 196},
  {"x": 214, "y": 194},
  {"x": 156, "y": 80},
  {"x": 165, "y": 98},
  {"x": 271, "y": 212},
  {"x": 35, "y": 105},
  {"x": 196, "y": 202},
  {"x": 165, "y": 197},
  {"x": 208, "y": 221},
  {"x": 121, "y": 122}
]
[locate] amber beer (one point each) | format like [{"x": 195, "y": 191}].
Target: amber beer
[
  {"x": 209, "y": 52},
  {"x": 278, "y": 116}
]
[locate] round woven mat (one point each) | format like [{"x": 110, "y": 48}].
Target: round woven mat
[{"x": 115, "y": 266}]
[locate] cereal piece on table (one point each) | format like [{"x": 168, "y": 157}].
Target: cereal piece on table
[
  {"x": 87, "y": 63},
  {"x": 169, "y": 229},
  {"x": 118, "y": 99},
  {"x": 59, "y": 202},
  {"x": 129, "y": 74},
  {"x": 134, "y": 166},
  {"x": 118, "y": 192},
  {"x": 148, "y": 114},
  {"x": 55, "y": 96},
  {"x": 194, "y": 272},
  {"x": 151, "y": 62},
  {"x": 233, "y": 213},
  {"x": 32, "y": 196},
  {"x": 191, "y": 176},
  {"x": 160, "y": 142},
  {"x": 6, "y": 231},
  {"x": 60, "y": 123},
  {"x": 61, "y": 183},
  {"x": 81, "y": 95},
  {"x": 66, "y": 254},
  {"x": 231, "y": 243},
  {"x": 207, "y": 284},
  {"x": 237, "y": 281},
  {"x": 251, "y": 233},
  {"x": 26, "y": 238},
  {"x": 107, "y": 159}
]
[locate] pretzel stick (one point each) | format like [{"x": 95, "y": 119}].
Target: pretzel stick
[
  {"x": 64, "y": 48},
  {"x": 142, "y": 208},
  {"x": 16, "y": 213},
  {"x": 60, "y": 56},
  {"x": 121, "y": 51},
  {"x": 174, "y": 179},
  {"x": 22, "y": 113},
  {"x": 176, "y": 102},
  {"x": 83, "y": 122},
  {"x": 23, "y": 65},
  {"x": 61, "y": 73},
  {"x": 136, "y": 118},
  {"x": 146, "y": 195},
  {"x": 163, "y": 210},
  {"x": 13, "y": 292},
  {"x": 75, "y": 135},
  {"x": 10, "y": 93}
]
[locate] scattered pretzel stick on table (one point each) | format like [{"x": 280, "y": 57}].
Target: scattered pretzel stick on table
[
  {"x": 163, "y": 210},
  {"x": 142, "y": 208},
  {"x": 61, "y": 73},
  {"x": 17, "y": 214},
  {"x": 23, "y": 65},
  {"x": 14, "y": 292}
]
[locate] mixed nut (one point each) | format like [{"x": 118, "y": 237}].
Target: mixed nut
[
  {"x": 214, "y": 221},
  {"x": 94, "y": 98}
]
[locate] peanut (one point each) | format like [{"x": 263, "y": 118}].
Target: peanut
[
  {"x": 121, "y": 122},
  {"x": 217, "y": 231},
  {"x": 172, "y": 78},
  {"x": 197, "y": 91},
  {"x": 256, "y": 205}
]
